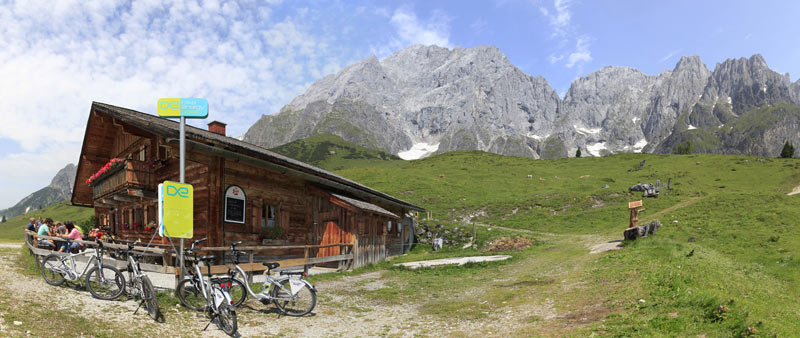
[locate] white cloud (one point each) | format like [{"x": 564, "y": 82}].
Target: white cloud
[
  {"x": 559, "y": 17},
  {"x": 581, "y": 54},
  {"x": 410, "y": 30},
  {"x": 58, "y": 57},
  {"x": 553, "y": 58},
  {"x": 669, "y": 56},
  {"x": 479, "y": 26}
]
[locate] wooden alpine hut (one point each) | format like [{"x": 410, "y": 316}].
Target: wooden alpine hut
[{"x": 242, "y": 192}]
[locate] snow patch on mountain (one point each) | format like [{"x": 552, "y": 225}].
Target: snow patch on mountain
[
  {"x": 594, "y": 149},
  {"x": 418, "y": 151},
  {"x": 587, "y": 131},
  {"x": 637, "y": 148}
]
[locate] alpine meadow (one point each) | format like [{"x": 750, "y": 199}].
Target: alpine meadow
[{"x": 399, "y": 169}]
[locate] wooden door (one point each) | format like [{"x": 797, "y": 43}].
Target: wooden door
[{"x": 332, "y": 234}]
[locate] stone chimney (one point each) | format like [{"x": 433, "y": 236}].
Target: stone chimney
[{"x": 217, "y": 127}]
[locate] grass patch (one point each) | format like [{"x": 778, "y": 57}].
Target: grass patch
[{"x": 60, "y": 212}]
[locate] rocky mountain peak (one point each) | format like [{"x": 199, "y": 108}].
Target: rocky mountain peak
[
  {"x": 64, "y": 180},
  {"x": 689, "y": 63},
  {"x": 426, "y": 99},
  {"x": 757, "y": 61},
  {"x": 60, "y": 189}
]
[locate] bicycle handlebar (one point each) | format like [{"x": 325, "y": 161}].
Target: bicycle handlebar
[{"x": 195, "y": 243}]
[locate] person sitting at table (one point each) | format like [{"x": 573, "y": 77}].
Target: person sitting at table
[
  {"x": 74, "y": 233},
  {"x": 44, "y": 230},
  {"x": 32, "y": 226},
  {"x": 59, "y": 231}
]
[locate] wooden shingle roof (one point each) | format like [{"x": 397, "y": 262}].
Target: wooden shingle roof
[{"x": 169, "y": 129}]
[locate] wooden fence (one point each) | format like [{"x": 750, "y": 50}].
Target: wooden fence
[{"x": 167, "y": 256}]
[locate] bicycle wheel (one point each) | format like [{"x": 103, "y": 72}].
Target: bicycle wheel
[
  {"x": 296, "y": 305},
  {"x": 150, "y": 298},
  {"x": 226, "y": 319},
  {"x": 105, "y": 282},
  {"x": 236, "y": 290},
  {"x": 53, "y": 270},
  {"x": 190, "y": 295}
]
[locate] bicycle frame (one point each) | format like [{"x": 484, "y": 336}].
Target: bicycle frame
[
  {"x": 71, "y": 268},
  {"x": 268, "y": 280},
  {"x": 213, "y": 300},
  {"x": 134, "y": 274},
  {"x": 239, "y": 271}
]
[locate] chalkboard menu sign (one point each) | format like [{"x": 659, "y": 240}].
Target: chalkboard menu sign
[{"x": 234, "y": 205}]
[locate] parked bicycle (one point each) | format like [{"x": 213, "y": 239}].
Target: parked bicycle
[
  {"x": 216, "y": 300},
  {"x": 140, "y": 287},
  {"x": 292, "y": 294},
  {"x": 103, "y": 281}
]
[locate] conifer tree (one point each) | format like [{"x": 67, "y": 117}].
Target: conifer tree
[{"x": 788, "y": 150}]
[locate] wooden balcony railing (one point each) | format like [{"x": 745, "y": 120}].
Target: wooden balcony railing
[{"x": 132, "y": 174}]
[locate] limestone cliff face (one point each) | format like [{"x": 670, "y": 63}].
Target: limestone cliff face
[
  {"x": 460, "y": 99},
  {"x": 475, "y": 99}
]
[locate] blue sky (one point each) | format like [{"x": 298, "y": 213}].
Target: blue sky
[{"x": 252, "y": 57}]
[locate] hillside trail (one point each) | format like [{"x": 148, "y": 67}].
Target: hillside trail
[
  {"x": 795, "y": 191},
  {"x": 598, "y": 243},
  {"x": 679, "y": 205}
]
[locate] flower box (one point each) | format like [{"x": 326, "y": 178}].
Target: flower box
[{"x": 109, "y": 168}]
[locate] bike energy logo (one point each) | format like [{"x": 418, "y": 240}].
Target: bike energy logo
[
  {"x": 175, "y": 209},
  {"x": 186, "y": 107}
]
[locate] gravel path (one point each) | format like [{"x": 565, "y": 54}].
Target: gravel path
[{"x": 337, "y": 314}]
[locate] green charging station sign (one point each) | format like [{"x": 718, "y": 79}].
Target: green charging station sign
[{"x": 176, "y": 209}]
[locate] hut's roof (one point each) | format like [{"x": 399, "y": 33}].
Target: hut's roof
[
  {"x": 364, "y": 205},
  {"x": 170, "y": 129}
]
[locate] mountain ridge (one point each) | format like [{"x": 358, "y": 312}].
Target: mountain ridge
[
  {"x": 59, "y": 189},
  {"x": 475, "y": 99}
]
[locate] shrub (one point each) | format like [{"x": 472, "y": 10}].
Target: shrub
[
  {"x": 685, "y": 148},
  {"x": 87, "y": 224},
  {"x": 788, "y": 150}
]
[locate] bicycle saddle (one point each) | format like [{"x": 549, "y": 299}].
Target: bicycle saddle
[
  {"x": 271, "y": 265},
  {"x": 207, "y": 257}
]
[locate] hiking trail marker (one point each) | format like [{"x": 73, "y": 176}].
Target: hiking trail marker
[
  {"x": 634, "y": 208},
  {"x": 175, "y": 211}
]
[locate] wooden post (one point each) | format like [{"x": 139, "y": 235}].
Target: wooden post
[{"x": 634, "y": 208}]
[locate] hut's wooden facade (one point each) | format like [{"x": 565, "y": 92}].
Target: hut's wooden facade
[{"x": 241, "y": 192}]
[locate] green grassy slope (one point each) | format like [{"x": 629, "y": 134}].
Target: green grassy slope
[
  {"x": 39, "y": 199},
  {"x": 331, "y": 152},
  {"x": 738, "y": 273},
  {"x": 59, "y": 212}
]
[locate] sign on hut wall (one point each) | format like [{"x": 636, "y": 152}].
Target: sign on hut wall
[
  {"x": 175, "y": 209},
  {"x": 186, "y": 107},
  {"x": 234, "y": 205}
]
